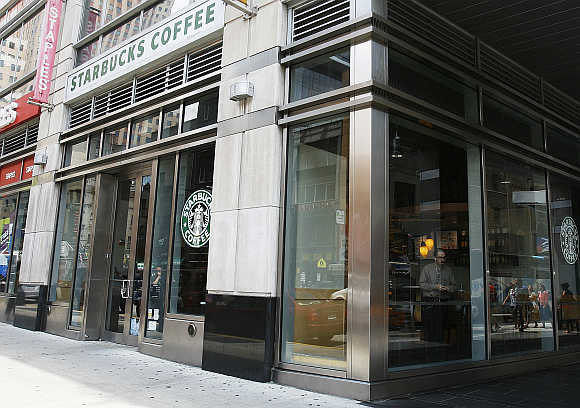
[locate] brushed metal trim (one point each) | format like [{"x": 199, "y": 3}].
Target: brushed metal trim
[
  {"x": 252, "y": 63},
  {"x": 249, "y": 121}
]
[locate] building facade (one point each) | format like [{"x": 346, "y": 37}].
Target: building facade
[{"x": 357, "y": 197}]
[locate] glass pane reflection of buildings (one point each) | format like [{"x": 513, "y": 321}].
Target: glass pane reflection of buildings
[{"x": 435, "y": 271}]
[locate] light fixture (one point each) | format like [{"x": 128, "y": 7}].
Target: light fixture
[
  {"x": 423, "y": 250},
  {"x": 396, "y": 153},
  {"x": 429, "y": 243}
]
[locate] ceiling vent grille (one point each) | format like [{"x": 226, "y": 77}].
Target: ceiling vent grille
[
  {"x": 80, "y": 113},
  {"x": 204, "y": 62},
  {"x": 432, "y": 28},
  {"x": 317, "y": 16},
  {"x": 508, "y": 72},
  {"x": 113, "y": 100},
  {"x": 561, "y": 103},
  {"x": 164, "y": 79},
  {"x": 32, "y": 136},
  {"x": 14, "y": 142}
]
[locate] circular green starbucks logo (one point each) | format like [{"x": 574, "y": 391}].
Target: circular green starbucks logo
[{"x": 195, "y": 219}]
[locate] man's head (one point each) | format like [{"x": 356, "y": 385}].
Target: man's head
[{"x": 440, "y": 256}]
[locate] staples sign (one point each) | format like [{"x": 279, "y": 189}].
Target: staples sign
[
  {"x": 48, "y": 42},
  {"x": 10, "y": 173}
]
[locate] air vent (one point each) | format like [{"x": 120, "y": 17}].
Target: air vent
[
  {"x": 113, "y": 100},
  {"x": 430, "y": 27},
  {"x": 317, "y": 16},
  {"x": 32, "y": 136},
  {"x": 204, "y": 62},
  {"x": 14, "y": 142},
  {"x": 508, "y": 72},
  {"x": 80, "y": 113},
  {"x": 164, "y": 79},
  {"x": 561, "y": 103}
]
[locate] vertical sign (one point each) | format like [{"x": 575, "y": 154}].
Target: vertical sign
[{"x": 48, "y": 42}]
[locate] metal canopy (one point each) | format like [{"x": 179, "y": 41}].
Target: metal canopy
[{"x": 541, "y": 35}]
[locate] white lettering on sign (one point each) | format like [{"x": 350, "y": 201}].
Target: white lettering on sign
[
  {"x": 29, "y": 169},
  {"x": 10, "y": 175},
  {"x": 8, "y": 114},
  {"x": 48, "y": 41}
]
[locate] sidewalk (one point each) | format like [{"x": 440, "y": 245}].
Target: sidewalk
[{"x": 42, "y": 370}]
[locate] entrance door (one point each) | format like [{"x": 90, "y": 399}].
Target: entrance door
[{"x": 123, "y": 318}]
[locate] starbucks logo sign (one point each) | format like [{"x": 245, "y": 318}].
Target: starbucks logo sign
[
  {"x": 569, "y": 240},
  {"x": 195, "y": 218}
]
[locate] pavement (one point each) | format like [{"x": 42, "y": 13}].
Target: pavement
[{"x": 41, "y": 370}]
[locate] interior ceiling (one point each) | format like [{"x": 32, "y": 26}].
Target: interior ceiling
[{"x": 541, "y": 35}]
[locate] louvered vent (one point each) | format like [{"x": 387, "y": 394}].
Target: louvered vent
[
  {"x": 14, "y": 142},
  {"x": 164, "y": 79},
  {"x": 113, "y": 100},
  {"x": 561, "y": 103},
  {"x": 508, "y": 72},
  {"x": 32, "y": 136},
  {"x": 204, "y": 62},
  {"x": 429, "y": 26},
  {"x": 80, "y": 113},
  {"x": 317, "y": 16}
]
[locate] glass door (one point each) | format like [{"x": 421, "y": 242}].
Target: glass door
[{"x": 128, "y": 259}]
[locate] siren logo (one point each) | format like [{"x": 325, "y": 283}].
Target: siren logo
[
  {"x": 569, "y": 240},
  {"x": 195, "y": 218}
]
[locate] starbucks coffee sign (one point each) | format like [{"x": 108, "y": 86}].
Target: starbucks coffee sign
[
  {"x": 195, "y": 218},
  {"x": 177, "y": 32},
  {"x": 569, "y": 240}
]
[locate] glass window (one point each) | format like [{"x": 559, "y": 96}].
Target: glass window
[
  {"x": 7, "y": 57},
  {"x": 144, "y": 130},
  {"x": 160, "y": 249},
  {"x": 511, "y": 123},
  {"x": 115, "y": 140},
  {"x": 30, "y": 43},
  {"x": 315, "y": 264},
  {"x": 94, "y": 145},
  {"x": 87, "y": 52},
  {"x": 564, "y": 146},
  {"x": 22, "y": 90},
  {"x": 191, "y": 237},
  {"x": 161, "y": 11},
  {"x": 76, "y": 152},
  {"x": 200, "y": 112},
  {"x": 170, "y": 122},
  {"x": 320, "y": 74},
  {"x": 417, "y": 79},
  {"x": 519, "y": 256},
  {"x": 120, "y": 34},
  {"x": 435, "y": 269},
  {"x": 18, "y": 241},
  {"x": 565, "y": 213},
  {"x": 7, "y": 221},
  {"x": 66, "y": 242},
  {"x": 93, "y": 15},
  {"x": 83, "y": 253}
]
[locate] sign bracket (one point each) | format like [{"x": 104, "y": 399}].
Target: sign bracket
[
  {"x": 48, "y": 106},
  {"x": 248, "y": 11}
]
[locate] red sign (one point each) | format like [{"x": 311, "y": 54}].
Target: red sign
[
  {"x": 24, "y": 111},
  {"x": 48, "y": 42},
  {"x": 27, "y": 167},
  {"x": 16, "y": 171},
  {"x": 10, "y": 173}
]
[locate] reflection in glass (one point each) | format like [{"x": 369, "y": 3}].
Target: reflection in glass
[
  {"x": 94, "y": 145},
  {"x": 320, "y": 74},
  {"x": 189, "y": 264},
  {"x": 170, "y": 122},
  {"x": 564, "y": 146},
  {"x": 93, "y": 13},
  {"x": 315, "y": 265},
  {"x": 160, "y": 249},
  {"x": 565, "y": 213},
  {"x": 423, "y": 82},
  {"x": 435, "y": 269},
  {"x": 66, "y": 242},
  {"x": 511, "y": 123},
  {"x": 7, "y": 221},
  {"x": 76, "y": 152},
  {"x": 519, "y": 257},
  {"x": 18, "y": 241},
  {"x": 30, "y": 44},
  {"x": 115, "y": 140},
  {"x": 120, "y": 34},
  {"x": 83, "y": 253},
  {"x": 144, "y": 130},
  {"x": 200, "y": 112},
  {"x": 160, "y": 12},
  {"x": 87, "y": 52}
]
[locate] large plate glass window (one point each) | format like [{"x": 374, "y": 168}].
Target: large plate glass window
[
  {"x": 563, "y": 145},
  {"x": 519, "y": 257},
  {"x": 200, "y": 111},
  {"x": 436, "y": 310},
  {"x": 144, "y": 130},
  {"x": 191, "y": 235},
  {"x": 565, "y": 219},
  {"x": 7, "y": 223},
  {"x": 18, "y": 241},
  {"x": 315, "y": 264},
  {"x": 115, "y": 139}
]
